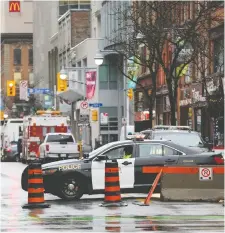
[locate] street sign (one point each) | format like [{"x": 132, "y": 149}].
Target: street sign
[
  {"x": 96, "y": 105},
  {"x": 39, "y": 91},
  {"x": 84, "y": 105},
  {"x": 205, "y": 173},
  {"x": 23, "y": 90}
]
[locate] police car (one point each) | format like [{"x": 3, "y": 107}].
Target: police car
[{"x": 70, "y": 179}]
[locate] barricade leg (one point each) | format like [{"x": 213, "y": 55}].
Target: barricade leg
[{"x": 147, "y": 200}]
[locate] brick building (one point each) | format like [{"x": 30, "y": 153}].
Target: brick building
[
  {"x": 74, "y": 27},
  {"x": 17, "y": 65},
  {"x": 16, "y": 52}
]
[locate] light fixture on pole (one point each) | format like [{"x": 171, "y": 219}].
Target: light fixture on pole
[
  {"x": 5, "y": 115},
  {"x": 99, "y": 59},
  {"x": 63, "y": 74}
]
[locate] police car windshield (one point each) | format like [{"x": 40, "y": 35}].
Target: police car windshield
[
  {"x": 102, "y": 148},
  {"x": 182, "y": 138}
]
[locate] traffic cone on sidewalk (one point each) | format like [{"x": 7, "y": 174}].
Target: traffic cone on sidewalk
[
  {"x": 112, "y": 186},
  {"x": 35, "y": 187}
]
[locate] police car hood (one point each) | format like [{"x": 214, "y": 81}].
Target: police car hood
[{"x": 61, "y": 163}]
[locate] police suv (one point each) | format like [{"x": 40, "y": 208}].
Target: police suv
[{"x": 70, "y": 179}]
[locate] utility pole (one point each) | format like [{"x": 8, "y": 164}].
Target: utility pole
[
  {"x": 126, "y": 105},
  {"x": 55, "y": 93}
]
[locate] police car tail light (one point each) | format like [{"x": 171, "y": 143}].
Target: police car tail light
[
  {"x": 47, "y": 147},
  {"x": 219, "y": 160}
]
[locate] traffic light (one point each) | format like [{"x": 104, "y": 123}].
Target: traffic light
[
  {"x": 94, "y": 115},
  {"x": 11, "y": 88},
  {"x": 130, "y": 93},
  {"x": 61, "y": 83}
]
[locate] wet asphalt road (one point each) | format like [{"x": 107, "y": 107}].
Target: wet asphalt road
[{"x": 87, "y": 216}]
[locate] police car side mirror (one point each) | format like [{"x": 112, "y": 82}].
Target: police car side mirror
[{"x": 101, "y": 157}]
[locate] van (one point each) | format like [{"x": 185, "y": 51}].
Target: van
[{"x": 11, "y": 131}]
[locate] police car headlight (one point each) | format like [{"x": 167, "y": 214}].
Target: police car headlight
[{"x": 49, "y": 171}]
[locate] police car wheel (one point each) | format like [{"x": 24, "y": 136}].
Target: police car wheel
[{"x": 71, "y": 189}]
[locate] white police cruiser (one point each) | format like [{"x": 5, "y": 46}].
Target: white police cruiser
[{"x": 70, "y": 179}]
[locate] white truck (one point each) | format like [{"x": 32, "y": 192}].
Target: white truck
[
  {"x": 10, "y": 131},
  {"x": 57, "y": 146}
]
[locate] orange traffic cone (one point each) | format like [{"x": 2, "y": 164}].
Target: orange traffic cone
[
  {"x": 112, "y": 186},
  {"x": 35, "y": 187}
]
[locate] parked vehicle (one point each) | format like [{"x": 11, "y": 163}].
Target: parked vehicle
[
  {"x": 11, "y": 152},
  {"x": 70, "y": 179},
  {"x": 36, "y": 127},
  {"x": 182, "y": 135},
  {"x": 11, "y": 130},
  {"x": 58, "y": 146}
]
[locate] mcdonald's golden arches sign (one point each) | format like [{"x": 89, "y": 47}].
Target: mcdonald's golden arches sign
[{"x": 14, "y": 6}]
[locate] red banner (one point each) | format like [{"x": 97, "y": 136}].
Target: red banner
[{"x": 90, "y": 84}]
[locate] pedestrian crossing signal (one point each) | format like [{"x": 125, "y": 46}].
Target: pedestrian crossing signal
[
  {"x": 130, "y": 93},
  {"x": 61, "y": 84},
  {"x": 11, "y": 88}
]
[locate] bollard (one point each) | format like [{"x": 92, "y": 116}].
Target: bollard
[
  {"x": 112, "y": 186},
  {"x": 35, "y": 187}
]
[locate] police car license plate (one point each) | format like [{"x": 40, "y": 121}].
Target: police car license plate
[{"x": 63, "y": 155}]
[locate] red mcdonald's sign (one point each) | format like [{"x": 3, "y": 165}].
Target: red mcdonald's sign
[{"x": 14, "y": 6}]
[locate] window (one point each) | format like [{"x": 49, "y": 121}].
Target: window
[
  {"x": 60, "y": 138},
  {"x": 30, "y": 51},
  {"x": 181, "y": 138},
  {"x": 170, "y": 151},
  {"x": 103, "y": 77},
  {"x": 85, "y": 62},
  {"x": 119, "y": 152},
  {"x": 219, "y": 55},
  {"x": 17, "y": 56},
  {"x": 108, "y": 75},
  {"x": 113, "y": 74},
  {"x": 112, "y": 118},
  {"x": 146, "y": 150}
]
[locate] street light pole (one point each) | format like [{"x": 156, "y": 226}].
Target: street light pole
[{"x": 125, "y": 99}]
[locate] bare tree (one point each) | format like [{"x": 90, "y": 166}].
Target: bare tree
[{"x": 170, "y": 30}]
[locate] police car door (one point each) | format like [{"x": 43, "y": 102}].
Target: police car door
[{"x": 126, "y": 169}]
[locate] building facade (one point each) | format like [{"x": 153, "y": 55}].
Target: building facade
[
  {"x": 16, "y": 53},
  {"x": 43, "y": 11}
]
